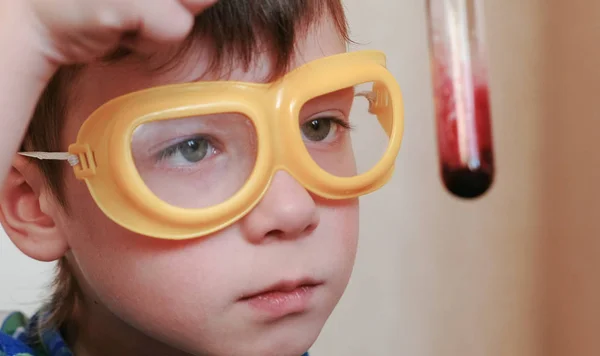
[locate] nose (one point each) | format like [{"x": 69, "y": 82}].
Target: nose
[{"x": 286, "y": 211}]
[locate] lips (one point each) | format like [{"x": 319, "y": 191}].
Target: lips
[
  {"x": 284, "y": 287},
  {"x": 283, "y": 299}
]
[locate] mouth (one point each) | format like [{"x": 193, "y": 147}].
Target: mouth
[
  {"x": 283, "y": 287},
  {"x": 283, "y": 298}
]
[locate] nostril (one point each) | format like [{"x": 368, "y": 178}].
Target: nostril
[
  {"x": 291, "y": 233},
  {"x": 310, "y": 228},
  {"x": 276, "y": 234}
]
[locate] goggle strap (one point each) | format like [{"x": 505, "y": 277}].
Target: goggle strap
[
  {"x": 57, "y": 156},
  {"x": 371, "y": 96}
]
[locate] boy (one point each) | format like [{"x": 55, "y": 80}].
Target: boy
[{"x": 203, "y": 234}]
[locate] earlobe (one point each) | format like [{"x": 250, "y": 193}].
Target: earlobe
[{"x": 28, "y": 213}]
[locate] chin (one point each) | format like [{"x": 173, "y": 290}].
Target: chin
[
  {"x": 297, "y": 346},
  {"x": 293, "y": 339},
  {"x": 287, "y": 348},
  {"x": 292, "y": 336}
]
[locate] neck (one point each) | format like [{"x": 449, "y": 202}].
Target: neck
[{"x": 95, "y": 331}]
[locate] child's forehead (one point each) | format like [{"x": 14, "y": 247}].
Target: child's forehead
[{"x": 101, "y": 82}]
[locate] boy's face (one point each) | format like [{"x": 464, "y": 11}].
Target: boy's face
[{"x": 192, "y": 294}]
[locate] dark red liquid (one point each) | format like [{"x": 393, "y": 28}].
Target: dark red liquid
[
  {"x": 468, "y": 183},
  {"x": 471, "y": 176}
]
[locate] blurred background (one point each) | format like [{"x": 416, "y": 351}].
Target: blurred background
[{"x": 514, "y": 273}]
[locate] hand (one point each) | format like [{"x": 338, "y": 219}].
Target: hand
[
  {"x": 79, "y": 31},
  {"x": 39, "y": 36}
]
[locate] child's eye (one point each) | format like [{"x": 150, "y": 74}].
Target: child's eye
[
  {"x": 187, "y": 152},
  {"x": 323, "y": 129}
]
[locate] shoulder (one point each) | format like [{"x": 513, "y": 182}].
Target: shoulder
[
  {"x": 11, "y": 324},
  {"x": 13, "y": 347}
]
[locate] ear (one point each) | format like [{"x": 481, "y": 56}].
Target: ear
[{"x": 28, "y": 213}]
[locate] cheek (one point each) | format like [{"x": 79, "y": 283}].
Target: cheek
[
  {"x": 340, "y": 224},
  {"x": 344, "y": 219},
  {"x": 127, "y": 272}
]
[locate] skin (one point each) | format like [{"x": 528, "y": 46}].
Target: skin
[
  {"x": 41, "y": 35},
  {"x": 153, "y": 297}
]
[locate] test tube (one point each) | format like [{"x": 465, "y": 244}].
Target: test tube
[{"x": 461, "y": 95}]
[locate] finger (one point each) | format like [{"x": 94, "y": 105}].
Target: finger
[
  {"x": 161, "y": 23},
  {"x": 164, "y": 21},
  {"x": 197, "y": 6},
  {"x": 89, "y": 45}
]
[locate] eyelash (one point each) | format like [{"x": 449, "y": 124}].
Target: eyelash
[
  {"x": 345, "y": 124},
  {"x": 172, "y": 150}
]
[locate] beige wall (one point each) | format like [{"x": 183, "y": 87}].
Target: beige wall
[
  {"x": 436, "y": 276},
  {"x": 513, "y": 274}
]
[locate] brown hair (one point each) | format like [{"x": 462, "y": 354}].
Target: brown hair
[{"x": 235, "y": 29}]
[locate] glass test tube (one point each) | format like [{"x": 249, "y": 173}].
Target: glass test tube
[{"x": 461, "y": 93}]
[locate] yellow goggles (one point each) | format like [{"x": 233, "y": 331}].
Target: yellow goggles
[{"x": 186, "y": 160}]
